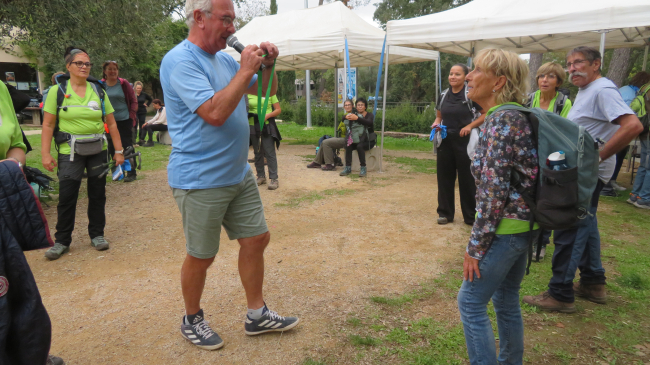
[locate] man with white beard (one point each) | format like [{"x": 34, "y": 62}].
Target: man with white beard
[{"x": 599, "y": 108}]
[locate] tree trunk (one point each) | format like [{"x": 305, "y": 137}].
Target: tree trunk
[
  {"x": 320, "y": 2},
  {"x": 619, "y": 66},
  {"x": 534, "y": 63}
]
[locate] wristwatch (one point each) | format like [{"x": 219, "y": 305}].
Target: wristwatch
[{"x": 121, "y": 152}]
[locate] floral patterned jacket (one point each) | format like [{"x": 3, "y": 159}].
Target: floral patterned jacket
[{"x": 505, "y": 143}]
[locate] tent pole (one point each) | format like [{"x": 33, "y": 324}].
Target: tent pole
[
  {"x": 308, "y": 87},
  {"x": 602, "y": 47},
  {"x": 336, "y": 98},
  {"x": 383, "y": 112},
  {"x": 437, "y": 70},
  {"x": 645, "y": 57}
]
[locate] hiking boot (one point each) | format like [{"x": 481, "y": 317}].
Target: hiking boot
[
  {"x": 547, "y": 303},
  {"x": 643, "y": 204},
  {"x": 328, "y": 167},
  {"x": 130, "y": 177},
  {"x": 363, "y": 171},
  {"x": 56, "y": 251},
  {"x": 346, "y": 171},
  {"x": 608, "y": 190},
  {"x": 54, "y": 360},
  {"x": 200, "y": 334},
  {"x": 615, "y": 185},
  {"x": 274, "y": 184},
  {"x": 99, "y": 243},
  {"x": 149, "y": 144},
  {"x": 261, "y": 181},
  {"x": 593, "y": 293},
  {"x": 443, "y": 220},
  {"x": 633, "y": 198},
  {"x": 269, "y": 322},
  {"x": 313, "y": 165},
  {"x": 141, "y": 142}
]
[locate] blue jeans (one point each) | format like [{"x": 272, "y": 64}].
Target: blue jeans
[
  {"x": 577, "y": 248},
  {"x": 502, "y": 269},
  {"x": 642, "y": 180}
]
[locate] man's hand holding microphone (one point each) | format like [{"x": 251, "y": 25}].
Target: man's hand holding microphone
[{"x": 252, "y": 56}]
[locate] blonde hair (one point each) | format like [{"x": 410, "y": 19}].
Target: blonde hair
[
  {"x": 55, "y": 75},
  {"x": 138, "y": 83},
  {"x": 508, "y": 64},
  {"x": 552, "y": 68},
  {"x": 205, "y": 6}
]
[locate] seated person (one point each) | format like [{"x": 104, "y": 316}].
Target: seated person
[
  {"x": 325, "y": 156},
  {"x": 157, "y": 123}
]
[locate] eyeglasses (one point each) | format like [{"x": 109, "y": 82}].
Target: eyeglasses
[
  {"x": 574, "y": 63},
  {"x": 226, "y": 20},
  {"x": 82, "y": 64},
  {"x": 548, "y": 76}
]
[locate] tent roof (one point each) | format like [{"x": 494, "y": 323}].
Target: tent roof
[
  {"x": 314, "y": 38},
  {"x": 526, "y": 26}
]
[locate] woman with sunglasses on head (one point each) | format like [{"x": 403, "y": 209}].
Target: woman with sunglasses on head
[
  {"x": 80, "y": 145},
  {"x": 144, "y": 100},
  {"x": 123, "y": 100},
  {"x": 359, "y": 125},
  {"x": 459, "y": 114}
]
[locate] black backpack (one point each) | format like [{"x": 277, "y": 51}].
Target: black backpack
[
  {"x": 560, "y": 100},
  {"x": 97, "y": 86}
]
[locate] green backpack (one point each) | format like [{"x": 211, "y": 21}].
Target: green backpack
[
  {"x": 643, "y": 114},
  {"x": 561, "y": 198}
]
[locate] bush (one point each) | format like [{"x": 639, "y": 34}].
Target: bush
[{"x": 287, "y": 111}]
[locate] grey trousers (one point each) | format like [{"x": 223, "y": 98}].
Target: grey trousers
[
  {"x": 267, "y": 150},
  {"x": 325, "y": 153}
]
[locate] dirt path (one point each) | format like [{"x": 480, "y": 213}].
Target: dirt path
[{"x": 335, "y": 242}]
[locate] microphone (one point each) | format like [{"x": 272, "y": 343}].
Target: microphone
[{"x": 233, "y": 42}]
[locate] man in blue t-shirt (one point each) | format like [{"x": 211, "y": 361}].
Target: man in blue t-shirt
[
  {"x": 600, "y": 109},
  {"x": 208, "y": 169}
]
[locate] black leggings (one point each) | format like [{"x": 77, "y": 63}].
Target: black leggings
[
  {"x": 141, "y": 120},
  {"x": 150, "y": 128},
  {"x": 124, "y": 127},
  {"x": 453, "y": 160},
  {"x": 360, "y": 151}
]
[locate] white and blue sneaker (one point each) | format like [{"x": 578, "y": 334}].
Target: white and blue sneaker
[
  {"x": 200, "y": 334},
  {"x": 269, "y": 322}
]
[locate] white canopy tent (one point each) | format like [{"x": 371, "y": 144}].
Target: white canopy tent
[
  {"x": 526, "y": 26},
  {"x": 314, "y": 38}
]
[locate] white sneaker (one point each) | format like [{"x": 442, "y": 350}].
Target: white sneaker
[{"x": 616, "y": 186}]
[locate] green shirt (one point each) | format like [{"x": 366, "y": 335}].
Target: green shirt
[
  {"x": 252, "y": 105},
  {"x": 10, "y": 134},
  {"x": 551, "y": 105},
  {"x": 83, "y": 116}
]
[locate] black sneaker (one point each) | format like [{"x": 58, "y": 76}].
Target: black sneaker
[
  {"x": 200, "y": 334},
  {"x": 269, "y": 322}
]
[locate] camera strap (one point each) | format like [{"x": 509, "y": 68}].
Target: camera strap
[{"x": 261, "y": 110}]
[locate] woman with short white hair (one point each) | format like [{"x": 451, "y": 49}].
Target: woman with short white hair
[{"x": 496, "y": 257}]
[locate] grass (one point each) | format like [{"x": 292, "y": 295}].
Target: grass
[
  {"x": 312, "y": 196},
  {"x": 422, "y": 165},
  {"x": 295, "y": 134}
]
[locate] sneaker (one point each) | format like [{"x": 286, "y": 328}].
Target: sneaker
[
  {"x": 616, "y": 187},
  {"x": 99, "y": 243},
  {"x": 313, "y": 165},
  {"x": 633, "y": 198},
  {"x": 54, "y": 360},
  {"x": 261, "y": 181},
  {"x": 269, "y": 322},
  {"x": 542, "y": 253},
  {"x": 443, "y": 220},
  {"x": 593, "y": 293},
  {"x": 608, "y": 190},
  {"x": 56, "y": 251},
  {"x": 363, "y": 171},
  {"x": 546, "y": 302},
  {"x": 141, "y": 142},
  {"x": 274, "y": 184},
  {"x": 130, "y": 177},
  {"x": 643, "y": 204},
  {"x": 346, "y": 171},
  {"x": 149, "y": 144},
  {"x": 200, "y": 334},
  {"x": 328, "y": 167}
]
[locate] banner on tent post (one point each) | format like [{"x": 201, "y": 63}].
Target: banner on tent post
[{"x": 341, "y": 83}]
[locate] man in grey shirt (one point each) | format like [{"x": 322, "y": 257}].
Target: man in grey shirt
[{"x": 599, "y": 108}]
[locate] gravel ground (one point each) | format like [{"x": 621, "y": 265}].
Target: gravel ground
[{"x": 364, "y": 238}]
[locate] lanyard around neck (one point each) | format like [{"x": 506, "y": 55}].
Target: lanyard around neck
[{"x": 261, "y": 110}]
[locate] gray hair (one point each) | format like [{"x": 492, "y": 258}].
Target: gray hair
[
  {"x": 204, "y": 6},
  {"x": 591, "y": 54}
]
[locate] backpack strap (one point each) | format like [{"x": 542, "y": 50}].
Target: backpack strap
[
  {"x": 560, "y": 100},
  {"x": 60, "y": 97},
  {"x": 442, "y": 98}
]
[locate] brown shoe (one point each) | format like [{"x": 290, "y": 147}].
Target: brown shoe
[
  {"x": 328, "y": 167},
  {"x": 261, "y": 181},
  {"x": 546, "y": 302},
  {"x": 274, "y": 184},
  {"x": 593, "y": 293},
  {"x": 313, "y": 165}
]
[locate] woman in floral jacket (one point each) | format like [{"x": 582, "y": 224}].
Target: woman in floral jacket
[{"x": 496, "y": 257}]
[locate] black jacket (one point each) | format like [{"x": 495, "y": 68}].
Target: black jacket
[{"x": 25, "y": 328}]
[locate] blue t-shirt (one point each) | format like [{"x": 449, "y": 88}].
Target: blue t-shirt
[
  {"x": 203, "y": 156},
  {"x": 628, "y": 93}
]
